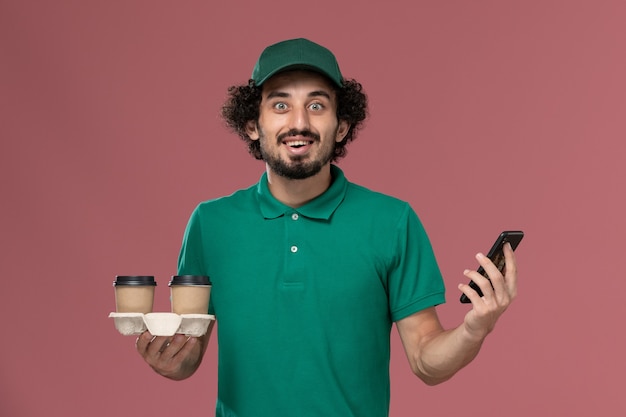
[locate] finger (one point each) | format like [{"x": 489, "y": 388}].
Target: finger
[
  {"x": 157, "y": 345},
  {"x": 188, "y": 343},
  {"x": 479, "y": 284},
  {"x": 495, "y": 276},
  {"x": 511, "y": 270},
  {"x": 143, "y": 341},
  {"x": 177, "y": 351},
  {"x": 177, "y": 345},
  {"x": 473, "y": 296},
  {"x": 481, "y": 281}
]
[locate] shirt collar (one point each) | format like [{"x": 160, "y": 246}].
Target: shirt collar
[{"x": 321, "y": 207}]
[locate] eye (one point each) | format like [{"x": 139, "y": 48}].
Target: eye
[
  {"x": 316, "y": 106},
  {"x": 280, "y": 106}
]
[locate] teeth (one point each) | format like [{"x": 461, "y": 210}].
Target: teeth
[{"x": 297, "y": 143}]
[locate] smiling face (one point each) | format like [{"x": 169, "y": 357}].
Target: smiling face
[{"x": 297, "y": 126}]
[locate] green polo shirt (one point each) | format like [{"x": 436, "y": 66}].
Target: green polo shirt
[{"x": 305, "y": 298}]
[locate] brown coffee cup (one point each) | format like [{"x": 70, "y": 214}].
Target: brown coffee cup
[
  {"x": 134, "y": 294},
  {"x": 190, "y": 294}
]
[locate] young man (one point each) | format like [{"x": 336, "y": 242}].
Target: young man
[{"x": 310, "y": 271}]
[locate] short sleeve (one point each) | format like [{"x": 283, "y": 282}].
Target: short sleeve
[
  {"x": 191, "y": 259},
  {"x": 414, "y": 281}
]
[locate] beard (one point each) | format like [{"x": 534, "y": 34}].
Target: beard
[{"x": 298, "y": 167}]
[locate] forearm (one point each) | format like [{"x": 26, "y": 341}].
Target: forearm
[
  {"x": 436, "y": 354},
  {"x": 444, "y": 354}
]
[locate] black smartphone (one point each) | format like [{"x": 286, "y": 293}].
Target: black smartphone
[{"x": 496, "y": 254}]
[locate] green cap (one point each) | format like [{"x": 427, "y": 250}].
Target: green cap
[{"x": 296, "y": 54}]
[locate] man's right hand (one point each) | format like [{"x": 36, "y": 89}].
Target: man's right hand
[{"x": 176, "y": 357}]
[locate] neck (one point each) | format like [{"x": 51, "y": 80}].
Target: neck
[{"x": 296, "y": 193}]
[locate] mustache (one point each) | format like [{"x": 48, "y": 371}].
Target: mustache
[{"x": 296, "y": 132}]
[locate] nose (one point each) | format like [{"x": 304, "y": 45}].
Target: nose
[{"x": 299, "y": 119}]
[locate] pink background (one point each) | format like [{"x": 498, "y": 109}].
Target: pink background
[{"x": 485, "y": 115}]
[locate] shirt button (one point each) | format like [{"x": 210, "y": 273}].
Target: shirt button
[
  {"x": 294, "y": 249},
  {"x": 294, "y": 216}
]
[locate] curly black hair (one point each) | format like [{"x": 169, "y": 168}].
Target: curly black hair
[{"x": 244, "y": 101}]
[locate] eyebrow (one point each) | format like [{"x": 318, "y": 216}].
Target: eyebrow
[{"x": 316, "y": 93}]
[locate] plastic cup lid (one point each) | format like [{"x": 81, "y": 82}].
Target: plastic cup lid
[
  {"x": 134, "y": 280},
  {"x": 190, "y": 280}
]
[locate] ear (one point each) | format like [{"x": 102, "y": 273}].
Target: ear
[
  {"x": 252, "y": 130},
  {"x": 342, "y": 130}
]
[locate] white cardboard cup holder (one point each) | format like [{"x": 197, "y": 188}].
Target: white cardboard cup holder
[{"x": 162, "y": 324}]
